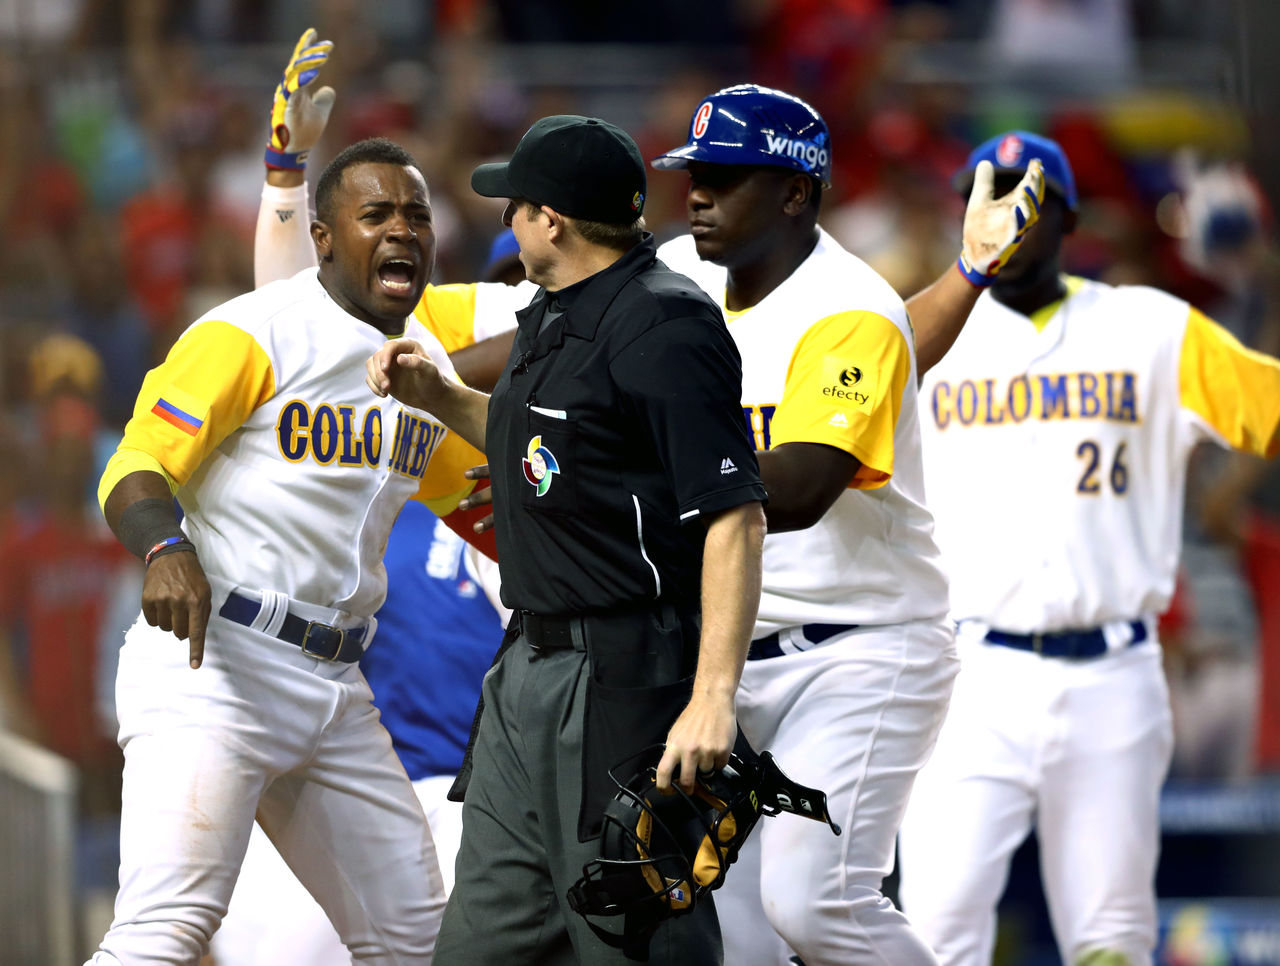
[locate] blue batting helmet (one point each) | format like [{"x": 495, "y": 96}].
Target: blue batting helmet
[
  {"x": 750, "y": 124},
  {"x": 1011, "y": 152}
]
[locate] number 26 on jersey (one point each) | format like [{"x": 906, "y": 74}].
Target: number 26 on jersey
[{"x": 1099, "y": 469}]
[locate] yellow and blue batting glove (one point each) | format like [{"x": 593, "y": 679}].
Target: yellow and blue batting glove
[
  {"x": 994, "y": 227},
  {"x": 299, "y": 114}
]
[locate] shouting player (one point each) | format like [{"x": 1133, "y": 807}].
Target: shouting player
[
  {"x": 1057, "y": 432},
  {"x": 290, "y": 476}
]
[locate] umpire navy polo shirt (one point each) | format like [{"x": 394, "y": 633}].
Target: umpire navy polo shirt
[{"x": 615, "y": 430}]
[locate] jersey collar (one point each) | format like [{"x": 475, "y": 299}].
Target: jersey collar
[
  {"x": 1042, "y": 316},
  {"x": 586, "y": 302}
]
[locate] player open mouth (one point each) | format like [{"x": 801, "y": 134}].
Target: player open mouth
[{"x": 396, "y": 276}]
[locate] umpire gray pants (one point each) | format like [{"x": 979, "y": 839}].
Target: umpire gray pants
[{"x": 520, "y": 850}]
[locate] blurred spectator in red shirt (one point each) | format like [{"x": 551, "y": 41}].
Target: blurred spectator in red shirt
[{"x": 58, "y": 566}]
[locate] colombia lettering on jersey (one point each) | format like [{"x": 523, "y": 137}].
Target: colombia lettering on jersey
[
  {"x": 758, "y": 420},
  {"x": 1111, "y": 396},
  {"x": 335, "y": 434}
]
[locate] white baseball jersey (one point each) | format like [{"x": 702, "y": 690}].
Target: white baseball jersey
[
  {"x": 829, "y": 357},
  {"x": 1087, "y": 423},
  {"x": 291, "y": 473},
  {"x": 463, "y": 314},
  {"x": 1055, "y": 456}
]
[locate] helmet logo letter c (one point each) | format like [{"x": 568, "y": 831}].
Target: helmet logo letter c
[{"x": 701, "y": 118}]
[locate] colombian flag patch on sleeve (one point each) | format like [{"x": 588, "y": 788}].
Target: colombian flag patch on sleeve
[{"x": 175, "y": 415}]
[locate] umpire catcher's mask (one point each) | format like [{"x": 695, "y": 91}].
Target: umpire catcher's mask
[
  {"x": 750, "y": 124},
  {"x": 660, "y": 853}
]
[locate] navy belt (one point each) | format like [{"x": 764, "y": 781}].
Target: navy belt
[
  {"x": 1072, "y": 644},
  {"x": 321, "y": 641},
  {"x": 770, "y": 645}
]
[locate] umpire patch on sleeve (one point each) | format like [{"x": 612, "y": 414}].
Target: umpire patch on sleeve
[{"x": 847, "y": 384}]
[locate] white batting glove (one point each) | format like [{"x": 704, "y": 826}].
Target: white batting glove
[
  {"x": 298, "y": 113},
  {"x": 994, "y": 227}
]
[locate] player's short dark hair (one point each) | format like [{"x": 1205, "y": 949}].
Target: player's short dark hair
[{"x": 368, "y": 151}]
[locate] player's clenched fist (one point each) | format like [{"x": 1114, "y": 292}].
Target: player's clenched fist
[
  {"x": 994, "y": 227},
  {"x": 402, "y": 369}
]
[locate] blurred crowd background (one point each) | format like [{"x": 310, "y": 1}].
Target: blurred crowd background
[{"x": 131, "y": 136}]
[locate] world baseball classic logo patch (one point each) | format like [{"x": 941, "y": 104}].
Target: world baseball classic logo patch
[{"x": 539, "y": 466}]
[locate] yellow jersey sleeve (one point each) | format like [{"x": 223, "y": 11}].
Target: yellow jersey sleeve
[
  {"x": 844, "y": 389},
  {"x": 1236, "y": 390},
  {"x": 213, "y": 378},
  {"x": 449, "y": 313},
  {"x": 443, "y": 484}
]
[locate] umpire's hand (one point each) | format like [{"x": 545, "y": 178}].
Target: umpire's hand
[
  {"x": 700, "y": 740},
  {"x": 176, "y": 597}
]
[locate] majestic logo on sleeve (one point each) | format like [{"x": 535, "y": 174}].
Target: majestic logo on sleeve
[{"x": 540, "y": 465}]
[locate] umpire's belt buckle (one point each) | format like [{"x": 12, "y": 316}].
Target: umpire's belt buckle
[
  {"x": 322, "y": 641},
  {"x": 1037, "y": 643}
]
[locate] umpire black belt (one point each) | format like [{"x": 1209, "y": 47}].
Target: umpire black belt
[
  {"x": 771, "y": 644},
  {"x": 558, "y": 632},
  {"x": 551, "y": 632},
  {"x": 321, "y": 641},
  {"x": 1070, "y": 644}
]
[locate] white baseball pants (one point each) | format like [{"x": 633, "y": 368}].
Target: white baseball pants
[
  {"x": 856, "y": 717},
  {"x": 273, "y": 921},
  {"x": 1079, "y": 749},
  {"x": 261, "y": 728}
]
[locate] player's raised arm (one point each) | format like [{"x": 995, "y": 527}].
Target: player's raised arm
[
  {"x": 993, "y": 230},
  {"x": 299, "y": 112}
]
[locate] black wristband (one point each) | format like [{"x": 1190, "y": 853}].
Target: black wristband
[{"x": 147, "y": 522}]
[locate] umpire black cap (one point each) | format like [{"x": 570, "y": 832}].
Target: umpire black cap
[{"x": 582, "y": 167}]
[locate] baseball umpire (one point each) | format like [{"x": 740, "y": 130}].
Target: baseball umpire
[
  {"x": 1057, "y": 441},
  {"x": 290, "y": 477},
  {"x": 629, "y": 528}
]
